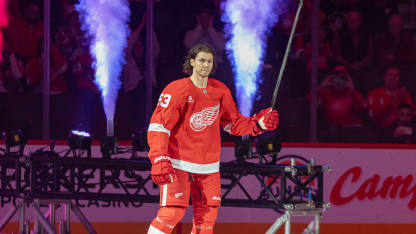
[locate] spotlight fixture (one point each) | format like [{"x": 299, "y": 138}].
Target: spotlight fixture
[
  {"x": 139, "y": 143},
  {"x": 108, "y": 146},
  {"x": 269, "y": 145},
  {"x": 80, "y": 133},
  {"x": 265, "y": 146},
  {"x": 80, "y": 140},
  {"x": 243, "y": 148},
  {"x": 15, "y": 138}
]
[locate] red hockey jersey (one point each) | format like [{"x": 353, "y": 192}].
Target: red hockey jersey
[
  {"x": 381, "y": 107},
  {"x": 185, "y": 125}
]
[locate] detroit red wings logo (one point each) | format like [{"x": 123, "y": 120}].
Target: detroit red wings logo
[{"x": 200, "y": 120}]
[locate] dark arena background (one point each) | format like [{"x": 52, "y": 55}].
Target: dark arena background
[{"x": 79, "y": 80}]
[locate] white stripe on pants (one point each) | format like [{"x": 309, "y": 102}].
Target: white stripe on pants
[{"x": 153, "y": 230}]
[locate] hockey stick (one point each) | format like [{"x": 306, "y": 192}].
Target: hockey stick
[{"x": 282, "y": 68}]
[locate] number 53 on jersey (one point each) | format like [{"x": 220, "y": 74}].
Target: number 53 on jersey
[{"x": 164, "y": 100}]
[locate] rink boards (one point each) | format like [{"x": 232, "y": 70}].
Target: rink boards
[{"x": 368, "y": 185}]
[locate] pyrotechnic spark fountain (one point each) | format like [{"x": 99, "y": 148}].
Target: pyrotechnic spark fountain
[
  {"x": 105, "y": 21},
  {"x": 247, "y": 24}
]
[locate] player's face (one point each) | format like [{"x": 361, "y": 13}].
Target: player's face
[{"x": 202, "y": 64}]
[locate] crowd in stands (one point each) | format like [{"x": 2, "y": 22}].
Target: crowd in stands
[{"x": 366, "y": 68}]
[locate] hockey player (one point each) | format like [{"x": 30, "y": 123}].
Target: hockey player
[{"x": 185, "y": 143}]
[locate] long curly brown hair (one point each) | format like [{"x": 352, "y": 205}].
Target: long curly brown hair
[{"x": 193, "y": 52}]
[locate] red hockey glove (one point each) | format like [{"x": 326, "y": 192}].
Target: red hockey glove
[
  {"x": 266, "y": 120},
  {"x": 162, "y": 171}
]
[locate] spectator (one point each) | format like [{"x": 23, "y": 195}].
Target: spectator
[
  {"x": 4, "y": 74},
  {"x": 396, "y": 46},
  {"x": 18, "y": 107},
  {"x": 336, "y": 11},
  {"x": 83, "y": 73},
  {"x": 204, "y": 32},
  {"x": 403, "y": 130},
  {"x": 378, "y": 13},
  {"x": 25, "y": 33},
  {"x": 76, "y": 32},
  {"x": 65, "y": 42},
  {"x": 59, "y": 65},
  {"x": 352, "y": 48},
  {"x": 58, "y": 97},
  {"x": 134, "y": 82},
  {"x": 343, "y": 106},
  {"x": 304, "y": 52},
  {"x": 287, "y": 17},
  {"x": 13, "y": 70},
  {"x": 68, "y": 6},
  {"x": 383, "y": 102},
  {"x": 13, "y": 7}
]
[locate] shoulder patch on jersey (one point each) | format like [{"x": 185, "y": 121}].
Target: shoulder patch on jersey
[{"x": 200, "y": 120}]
